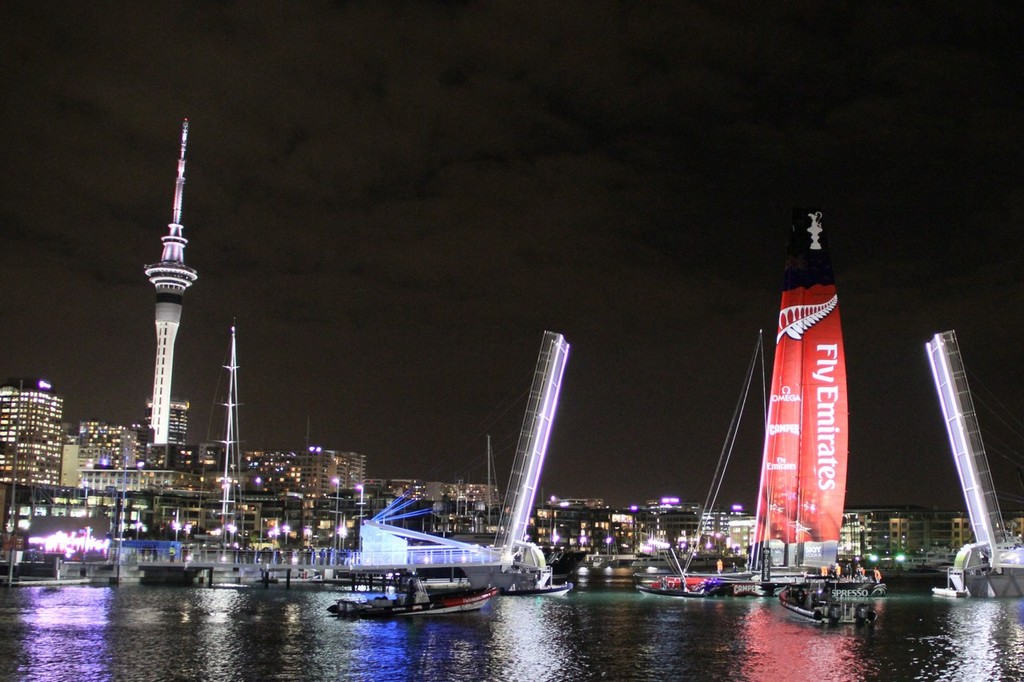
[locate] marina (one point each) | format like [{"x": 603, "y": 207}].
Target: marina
[{"x": 603, "y": 629}]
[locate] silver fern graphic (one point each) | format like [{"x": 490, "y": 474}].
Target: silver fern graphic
[{"x": 795, "y": 320}]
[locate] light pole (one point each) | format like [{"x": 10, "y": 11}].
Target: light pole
[
  {"x": 121, "y": 519},
  {"x": 12, "y": 522},
  {"x": 337, "y": 503},
  {"x": 359, "y": 524}
]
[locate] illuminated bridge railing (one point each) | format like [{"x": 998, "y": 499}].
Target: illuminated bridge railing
[{"x": 424, "y": 556}]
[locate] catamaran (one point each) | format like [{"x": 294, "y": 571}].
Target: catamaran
[
  {"x": 803, "y": 471},
  {"x": 803, "y": 475}
]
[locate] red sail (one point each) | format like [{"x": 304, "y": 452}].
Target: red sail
[{"x": 803, "y": 476}]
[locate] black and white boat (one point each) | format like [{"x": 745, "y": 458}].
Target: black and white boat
[
  {"x": 555, "y": 590},
  {"x": 829, "y": 602},
  {"x": 412, "y": 601}
]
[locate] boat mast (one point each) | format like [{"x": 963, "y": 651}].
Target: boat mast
[
  {"x": 704, "y": 519},
  {"x": 490, "y": 500},
  {"x": 228, "y": 504}
]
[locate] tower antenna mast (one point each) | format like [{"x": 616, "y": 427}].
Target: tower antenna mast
[{"x": 179, "y": 188}]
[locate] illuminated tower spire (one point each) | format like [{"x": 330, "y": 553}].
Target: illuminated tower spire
[{"x": 170, "y": 277}]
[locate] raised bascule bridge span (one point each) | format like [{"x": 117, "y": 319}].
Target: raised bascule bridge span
[{"x": 993, "y": 565}]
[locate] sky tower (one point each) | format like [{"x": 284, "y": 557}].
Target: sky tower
[{"x": 170, "y": 277}]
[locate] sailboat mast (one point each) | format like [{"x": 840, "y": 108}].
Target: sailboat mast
[
  {"x": 227, "y": 508},
  {"x": 490, "y": 498}
]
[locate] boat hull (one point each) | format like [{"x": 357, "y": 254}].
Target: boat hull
[
  {"x": 439, "y": 604},
  {"x": 696, "y": 586},
  {"x": 553, "y": 590},
  {"x": 850, "y": 589}
]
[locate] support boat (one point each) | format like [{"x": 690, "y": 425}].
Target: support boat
[{"x": 415, "y": 600}]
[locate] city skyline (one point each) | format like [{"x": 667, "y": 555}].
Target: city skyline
[{"x": 392, "y": 204}]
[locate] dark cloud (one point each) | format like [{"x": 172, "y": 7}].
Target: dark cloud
[{"x": 393, "y": 201}]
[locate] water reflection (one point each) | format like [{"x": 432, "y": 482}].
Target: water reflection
[
  {"x": 528, "y": 637},
  {"x": 775, "y": 644},
  {"x": 599, "y": 632},
  {"x": 976, "y": 639},
  {"x": 69, "y": 632}
]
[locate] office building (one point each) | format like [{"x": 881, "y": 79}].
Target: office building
[{"x": 31, "y": 435}]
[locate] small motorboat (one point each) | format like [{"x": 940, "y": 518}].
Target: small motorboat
[
  {"x": 552, "y": 590},
  {"x": 828, "y": 603},
  {"x": 413, "y": 601},
  {"x": 533, "y": 582}
]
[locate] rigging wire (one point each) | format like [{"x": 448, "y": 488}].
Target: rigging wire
[{"x": 727, "y": 448}]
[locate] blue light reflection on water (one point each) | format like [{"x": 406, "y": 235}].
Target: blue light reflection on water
[{"x": 600, "y": 632}]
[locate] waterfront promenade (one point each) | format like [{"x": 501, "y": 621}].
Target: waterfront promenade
[{"x": 208, "y": 565}]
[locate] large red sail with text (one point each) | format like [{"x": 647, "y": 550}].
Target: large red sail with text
[{"x": 803, "y": 475}]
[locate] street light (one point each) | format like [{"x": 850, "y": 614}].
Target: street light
[
  {"x": 12, "y": 521},
  {"x": 337, "y": 502},
  {"x": 361, "y": 499}
]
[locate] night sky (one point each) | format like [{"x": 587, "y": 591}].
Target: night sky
[{"x": 393, "y": 201}]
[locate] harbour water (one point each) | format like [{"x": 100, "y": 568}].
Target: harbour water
[{"x": 604, "y": 630}]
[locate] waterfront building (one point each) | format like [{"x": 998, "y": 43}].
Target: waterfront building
[
  {"x": 171, "y": 277},
  {"x": 668, "y": 522},
  {"x": 31, "y": 433},
  {"x": 272, "y": 471},
  {"x": 102, "y": 444},
  {"x": 462, "y": 495},
  {"x": 311, "y": 472},
  {"x": 350, "y": 468},
  {"x": 162, "y": 503},
  {"x": 201, "y": 458},
  {"x": 902, "y": 531},
  {"x": 582, "y": 525},
  {"x": 413, "y": 488},
  {"x": 134, "y": 479},
  {"x": 463, "y": 508},
  {"x": 320, "y": 472}
]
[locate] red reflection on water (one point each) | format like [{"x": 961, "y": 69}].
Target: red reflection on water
[{"x": 778, "y": 645}]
